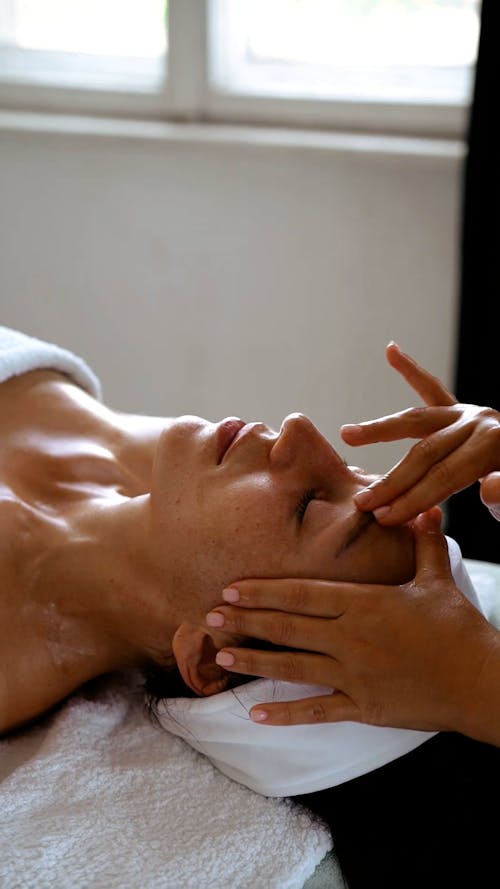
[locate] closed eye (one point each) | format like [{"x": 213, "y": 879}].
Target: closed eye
[{"x": 304, "y": 503}]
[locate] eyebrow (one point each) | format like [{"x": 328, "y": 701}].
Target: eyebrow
[{"x": 366, "y": 520}]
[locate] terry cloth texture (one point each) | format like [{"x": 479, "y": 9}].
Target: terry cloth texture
[
  {"x": 20, "y": 353},
  {"x": 95, "y": 795}
]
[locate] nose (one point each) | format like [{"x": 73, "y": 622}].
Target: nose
[{"x": 299, "y": 439}]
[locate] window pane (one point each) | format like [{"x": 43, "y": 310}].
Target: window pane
[
  {"x": 134, "y": 28},
  {"x": 361, "y": 32},
  {"x": 361, "y": 50}
]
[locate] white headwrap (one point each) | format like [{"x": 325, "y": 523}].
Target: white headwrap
[{"x": 290, "y": 760}]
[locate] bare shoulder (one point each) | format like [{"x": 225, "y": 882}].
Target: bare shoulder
[
  {"x": 46, "y": 399},
  {"x": 42, "y": 406}
]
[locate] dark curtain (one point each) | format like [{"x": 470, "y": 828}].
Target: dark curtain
[{"x": 477, "y": 378}]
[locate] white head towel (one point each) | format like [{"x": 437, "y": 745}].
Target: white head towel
[{"x": 290, "y": 760}]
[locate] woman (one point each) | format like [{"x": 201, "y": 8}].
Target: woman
[
  {"x": 446, "y": 659},
  {"x": 118, "y": 531}
]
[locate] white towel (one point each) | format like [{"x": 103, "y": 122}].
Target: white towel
[
  {"x": 20, "y": 353},
  {"x": 97, "y": 796},
  {"x": 290, "y": 760}
]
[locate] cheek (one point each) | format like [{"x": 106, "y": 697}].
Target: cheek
[
  {"x": 210, "y": 536},
  {"x": 242, "y": 537},
  {"x": 248, "y": 541}
]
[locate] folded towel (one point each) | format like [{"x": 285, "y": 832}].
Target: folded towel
[
  {"x": 98, "y": 796},
  {"x": 20, "y": 353}
]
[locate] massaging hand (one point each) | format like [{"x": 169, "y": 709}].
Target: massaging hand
[
  {"x": 460, "y": 443},
  {"x": 408, "y": 656}
]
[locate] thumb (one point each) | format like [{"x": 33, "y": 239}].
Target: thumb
[
  {"x": 430, "y": 520},
  {"x": 431, "y": 548}
]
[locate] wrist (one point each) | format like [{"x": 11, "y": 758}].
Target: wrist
[{"x": 479, "y": 716}]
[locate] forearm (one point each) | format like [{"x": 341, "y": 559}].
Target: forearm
[{"x": 480, "y": 716}]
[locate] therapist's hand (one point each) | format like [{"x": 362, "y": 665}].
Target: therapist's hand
[
  {"x": 460, "y": 444},
  {"x": 408, "y": 656}
]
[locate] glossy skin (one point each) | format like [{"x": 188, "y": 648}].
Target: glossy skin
[
  {"x": 117, "y": 532},
  {"x": 416, "y": 655},
  {"x": 73, "y": 480},
  {"x": 242, "y": 514}
]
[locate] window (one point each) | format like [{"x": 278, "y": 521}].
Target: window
[
  {"x": 58, "y": 49},
  {"x": 113, "y": 27},
  {"x": 354, "y": 49},
  {"x": 400, "y": 64}
]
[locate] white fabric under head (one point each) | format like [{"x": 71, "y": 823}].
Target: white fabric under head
[{"x": 290, "y": 760}]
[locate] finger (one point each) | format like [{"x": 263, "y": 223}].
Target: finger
[
  {"x": 316, "y": 598},
  {"x": 289, "y": 666},
  {"x": 460, "y": 469},
  {"x": 278, "y": 627},
  {"x": 336, "y": 707},
  {"x": 430, "y": 520},
  {"x": 413, "y": 467},
  {"x": 431, "y": 550},
  {"x": 430, "y": 389},
  {"x": 415, "y": 422},
  {"x": 490, "y": 489},
  {"x": 490, "y": 493}
]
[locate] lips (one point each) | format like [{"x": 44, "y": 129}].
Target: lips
[{"x": 227, "y": 431}]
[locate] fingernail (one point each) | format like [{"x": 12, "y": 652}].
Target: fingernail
[
  {"x": 224, "y": 659},
  {"x": 215, "y": 619},
  {"x": 364, "y": 497},
  {"x": 351, "y": 428},
  {"x": 258, "y": 715},
  {"x": 381, "y": 511},
  {"x": 230, "y": 595}
]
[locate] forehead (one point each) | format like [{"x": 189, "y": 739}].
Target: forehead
[{"x": 338, "y": 551}]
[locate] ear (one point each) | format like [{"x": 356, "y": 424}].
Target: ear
[{"x": 194, "y": 648}]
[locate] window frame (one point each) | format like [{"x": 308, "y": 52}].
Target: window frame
[{"x": 190, "y": 90}]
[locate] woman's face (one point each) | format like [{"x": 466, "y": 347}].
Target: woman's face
[{"x": 231, "y": 501}]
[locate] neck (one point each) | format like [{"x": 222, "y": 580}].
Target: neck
[{"x": 103, "y": 595}]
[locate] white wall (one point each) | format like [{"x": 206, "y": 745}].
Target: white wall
[{"x": 199, "y": 272}]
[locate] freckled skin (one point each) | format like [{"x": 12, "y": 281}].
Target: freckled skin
[
  {"x": 263, "y": 484},
  {"x": 116, "y": 530}
]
